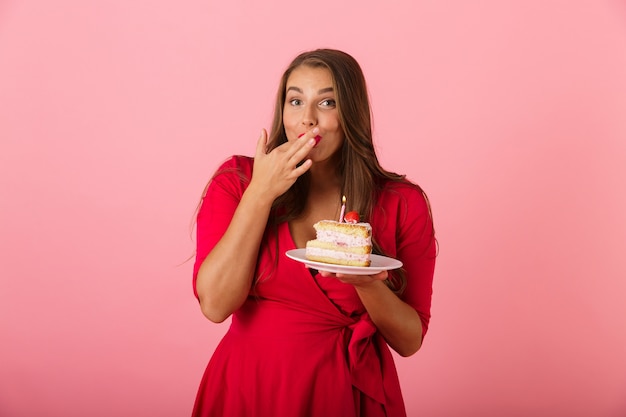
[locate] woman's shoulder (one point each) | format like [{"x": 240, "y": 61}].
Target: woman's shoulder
[
  {"x": 236, "y": 162},
  {"x": 234, "y": 172},
  {"x": 403, "y": 199},
  {"x": 403, "y": 189},
  {"x": 236, "y": 165}
]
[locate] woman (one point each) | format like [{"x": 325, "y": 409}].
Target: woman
[{"x": 305, "y": 342}]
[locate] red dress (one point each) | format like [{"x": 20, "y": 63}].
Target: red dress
[{"x": 303, "y": 345}]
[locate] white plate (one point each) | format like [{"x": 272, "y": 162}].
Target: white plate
[{"x": 379, "y": 263}]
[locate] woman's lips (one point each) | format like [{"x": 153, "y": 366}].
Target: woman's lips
[{"x": 317, "y": 138}]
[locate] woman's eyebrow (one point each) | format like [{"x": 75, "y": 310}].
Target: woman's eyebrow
[{"x": 299, "y": 90}]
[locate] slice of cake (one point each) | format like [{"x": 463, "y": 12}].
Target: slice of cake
[{"x": 341, "y": 243}]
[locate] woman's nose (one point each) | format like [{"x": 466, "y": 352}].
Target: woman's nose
[{"x": 309, "y": 117}]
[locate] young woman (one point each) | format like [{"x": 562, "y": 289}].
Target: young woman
[{"x": 305, "y": 342}]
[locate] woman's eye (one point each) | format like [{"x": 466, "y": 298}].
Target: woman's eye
[
  {"x": 295, "y": 102},
  {"x": 328, "y": 103}
]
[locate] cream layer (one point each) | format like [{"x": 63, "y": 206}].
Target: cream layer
[
  {"x": 328, "y": 253},
  {"x": 342, "y": 239}
]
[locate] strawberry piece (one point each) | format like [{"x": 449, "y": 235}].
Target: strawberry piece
[{"x": 351, "y": 217}]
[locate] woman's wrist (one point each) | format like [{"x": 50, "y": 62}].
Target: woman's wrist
[{"x": 259, "y": 197}]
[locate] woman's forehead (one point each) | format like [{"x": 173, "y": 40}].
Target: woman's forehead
[{"x": 307, "y": 76}]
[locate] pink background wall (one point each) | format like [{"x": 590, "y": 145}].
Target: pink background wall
[{"x": 512, "y": 115}]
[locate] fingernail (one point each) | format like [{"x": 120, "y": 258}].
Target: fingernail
[{"x": 316, "y": 131}]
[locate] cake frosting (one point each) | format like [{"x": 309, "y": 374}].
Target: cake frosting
[{"x": 341, "y": 243}]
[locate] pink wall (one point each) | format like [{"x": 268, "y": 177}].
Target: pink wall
[{"x": 512, "y": 115}]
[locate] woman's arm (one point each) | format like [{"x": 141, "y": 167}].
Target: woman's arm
[
  {"x": 396, "y": 320},
  {"x": 225, "y": 275}
]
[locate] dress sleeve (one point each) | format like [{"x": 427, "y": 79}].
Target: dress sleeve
[
  {"x": 416, "y": 247},
  {"x": 218, "y": 206}
]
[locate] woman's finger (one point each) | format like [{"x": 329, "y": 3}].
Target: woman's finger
[{"x": 261, "y": 144}]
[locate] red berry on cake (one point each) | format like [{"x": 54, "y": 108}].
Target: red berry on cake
[{"x": 351, "y": 217}]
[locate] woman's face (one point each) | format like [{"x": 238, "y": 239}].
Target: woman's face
[{"x": 310, "y": 102}]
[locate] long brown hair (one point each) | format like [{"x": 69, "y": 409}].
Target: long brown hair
[{"x": 360, "y": 170}]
